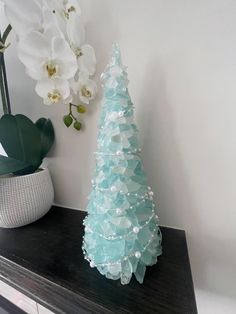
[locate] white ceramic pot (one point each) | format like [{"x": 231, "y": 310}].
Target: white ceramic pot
[{"x": 25, "y": 199}]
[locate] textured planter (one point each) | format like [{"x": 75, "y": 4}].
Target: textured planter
[{"x": 25, "y": 199}]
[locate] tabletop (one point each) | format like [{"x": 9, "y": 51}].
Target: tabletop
[{"x": 44, "y": 260}]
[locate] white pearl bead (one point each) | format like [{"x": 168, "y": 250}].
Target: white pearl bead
[
  {"x": 131, "y": 207},
  {"x": 121, "y": 114},
  {"x": 137, "y": 254},
  {"x": 128, "y": 194},
  {"x": 113, "y": 189},
  {"x": 136, "y": 229},
  {"x": 118, "y": 153},
  {"x": 149, "y": 188},
  {"x": 157, "y": 218},
  {"x": 92, "y": 265},
  {"x": 151, "y": 193},
  {"x": 118, "y": 211}
]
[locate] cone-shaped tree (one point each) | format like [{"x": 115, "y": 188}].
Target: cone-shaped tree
[{"x": 122, "y": 236}]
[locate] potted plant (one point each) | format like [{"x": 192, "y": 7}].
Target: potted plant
[
  {"x": 26, "y": 190},
  {"x": 52, "y": 46}
]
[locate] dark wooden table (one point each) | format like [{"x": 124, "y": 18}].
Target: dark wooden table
[{"x": 44, "y": 261}]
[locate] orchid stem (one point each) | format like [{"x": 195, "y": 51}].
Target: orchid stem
[
  {"x": 3, "y": 75},
  {"x": 70, "y": 111},
  {"x": 6, "y": 33},
  {"x": 2, "y": 88}
]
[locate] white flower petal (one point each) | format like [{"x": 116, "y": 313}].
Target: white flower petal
[
  {"x": 64, "y": 57},
  {"x": 48, "y": 88},
  {"x": 83, "y": 77},
  {"x": 87, "y": 61},
  {"x": 43, "y": 87},
  {"x": 37, "y": 52},
  {"x": 56, "y": 7},
  {"x": 75, "y": 30},
  {"x": 51, "y": 27},
  {"x": 23, "y": 15},
  {"x": 32, "y": 51},
  {"x": 87, "y": 88},
  {"x": 74, "y": 85}
]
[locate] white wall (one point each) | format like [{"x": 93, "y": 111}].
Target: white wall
[{"x": 182, "y": 68}]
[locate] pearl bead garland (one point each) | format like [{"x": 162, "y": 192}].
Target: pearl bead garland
[
  {"x": 113, "y": 189},
  {"x": 119, "y": 211},
  {"x": 147, "y": 196},
  {"x": 136, "y": 229},
  {"x": 135, "y": 151},
  {"x": 137, "y": 254},
  {"x": 92, "y": 265}
]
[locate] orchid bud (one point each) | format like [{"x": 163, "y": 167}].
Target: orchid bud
[{"x": 67, "y": 120}]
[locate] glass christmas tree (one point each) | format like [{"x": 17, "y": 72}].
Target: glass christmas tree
[{"x": 122, "y": 236}]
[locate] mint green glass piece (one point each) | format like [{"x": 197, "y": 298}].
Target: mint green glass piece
[{"x": 122, "y": 235}]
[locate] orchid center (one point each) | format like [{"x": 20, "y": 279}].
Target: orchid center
[
  {"x": 54, "y": 96},
  {"x": 52, "y": 69},
  {"x": 68, "y": 11},
  {"x": 67, "y": 15},
  {"x": 72, "y": 9},
  {"x": 86, "y": 92},
  {"x": 78, "y": 52}
]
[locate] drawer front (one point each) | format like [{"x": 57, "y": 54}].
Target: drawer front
[{"x": 18, "y": 298}]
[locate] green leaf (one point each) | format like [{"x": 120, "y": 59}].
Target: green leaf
[
  {"x": 20, "y": 139},
  {"x": 10, "y": 165},
  {"x": 47, "y": 135},
  {"x": 30, "y": 169}
]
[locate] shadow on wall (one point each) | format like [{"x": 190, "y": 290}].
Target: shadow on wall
[
  {"x": 102, "y": 41},
  {"x": 167, "y": 173},
  {"x": 163, "y": 160}
]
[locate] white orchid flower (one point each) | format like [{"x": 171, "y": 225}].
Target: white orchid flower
[
  {"x": 85, "y": 53},
  {"x": 85, "y": 87},
  {"x": 54, "y": 91},
  {"x": 47, "y": 58},
  {"x": 51, "y": 25},
  {"x": 24, "y": 15}
]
